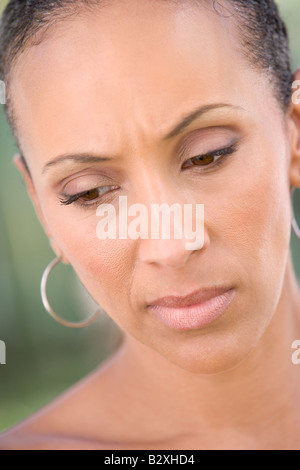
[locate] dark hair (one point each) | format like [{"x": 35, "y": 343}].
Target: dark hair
[{"x": 263, "y": 35}]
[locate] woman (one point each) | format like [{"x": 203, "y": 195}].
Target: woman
[{"x": 166, "y": 102}]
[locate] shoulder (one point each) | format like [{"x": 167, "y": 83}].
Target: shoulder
[
  {"x": 77, "y": 420},
  {"x": 26, "y": 440},
  {"x": 23, "y": 439}
]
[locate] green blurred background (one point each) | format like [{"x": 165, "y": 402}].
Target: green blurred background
[{"x": 43, "y": 358}]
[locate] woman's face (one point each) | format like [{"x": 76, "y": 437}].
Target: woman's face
[{"x": 115, "y": 83}]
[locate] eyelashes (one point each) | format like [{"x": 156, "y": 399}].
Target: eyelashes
[
  {"x": 207, "y": 160},
  {"x": 203, "y": 163},
  {"x": 87, "y": 197}
]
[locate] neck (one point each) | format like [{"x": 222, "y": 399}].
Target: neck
[{"x": 257, "y": 398}]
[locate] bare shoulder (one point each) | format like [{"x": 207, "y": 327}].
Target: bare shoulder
[
  {"x": 79, "y": 419},
  {"x": 25, "y": 440}
]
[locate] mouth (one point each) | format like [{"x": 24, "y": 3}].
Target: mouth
[{"x": 194, "y": 311}]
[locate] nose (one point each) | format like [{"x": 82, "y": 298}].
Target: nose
[
  {"x": 174, "y": 251},
  {"x": 166, "y": 253}
]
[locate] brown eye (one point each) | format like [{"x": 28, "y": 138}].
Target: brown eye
[
  {"x": 87, "y": 198},
  {"x": 90, "y": 195},
  {"x": 210, "y": 159},
  {"x": 201, "y": 161}
]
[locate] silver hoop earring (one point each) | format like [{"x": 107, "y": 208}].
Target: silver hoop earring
[
  {"x": 294, "y": 221},
  {"x": 47, "y": 306}
]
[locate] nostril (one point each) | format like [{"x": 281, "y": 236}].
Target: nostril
[{"x": 166, "y": 253}]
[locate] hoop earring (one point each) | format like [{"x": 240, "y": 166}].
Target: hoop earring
[
  {"x": 294, "y": 221},
  {"x": 47, "y": 306}
]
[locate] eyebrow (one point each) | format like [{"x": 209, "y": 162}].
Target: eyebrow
[
  {"x": 191, "y": 117},
  {"x": 79, "y": 158},
  {"x": 185, "y": 122}
]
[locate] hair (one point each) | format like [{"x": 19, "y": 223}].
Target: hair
[{"x": 262, "y": 33}]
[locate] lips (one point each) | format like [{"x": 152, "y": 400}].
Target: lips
[
  {"x": 199, "y": 309},
  {"x": 196, "y": 297}
]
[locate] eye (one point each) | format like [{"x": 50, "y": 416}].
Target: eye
[
  {"x": 202, "y": 161},
  {"x": 90, "y": 195},
  {"x": 210, "y": 159},
  {"x": 88, "y": 198}
]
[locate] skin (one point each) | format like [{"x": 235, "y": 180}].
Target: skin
[{"x": 115, "y": 83}]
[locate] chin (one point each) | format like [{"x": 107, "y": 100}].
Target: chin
[{"x": 212, "y": 354}]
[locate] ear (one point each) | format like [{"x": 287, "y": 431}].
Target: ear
[
  {"x": 19, "y": 163},
  {"x": 294, "y": 125}
]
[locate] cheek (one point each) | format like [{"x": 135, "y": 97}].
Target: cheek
[
  {"x": 105, "y": 270},
  {"x": 255, "y": 223},
  {"x": 103, "y": 266}
]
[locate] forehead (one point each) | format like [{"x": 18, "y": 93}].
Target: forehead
[{"x": 123, "y": 73}]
